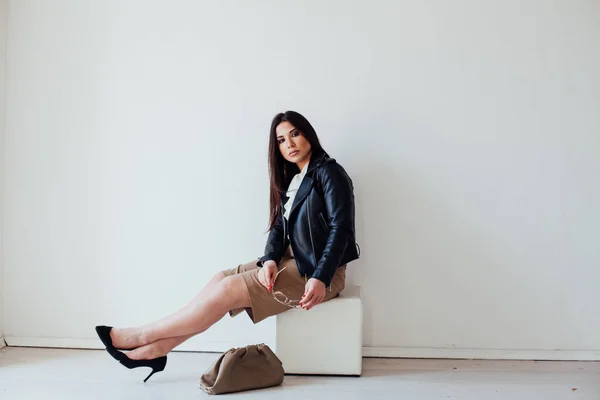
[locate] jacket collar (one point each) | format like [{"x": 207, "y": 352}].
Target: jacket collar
[{"x": 316, "y": 160}]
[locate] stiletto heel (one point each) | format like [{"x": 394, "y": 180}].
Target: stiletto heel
[
  {"x": 158, "y": 369},
  {"x": 151, "y": 373}
]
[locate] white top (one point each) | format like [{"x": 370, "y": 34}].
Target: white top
[{"x": 292, "y": 190}]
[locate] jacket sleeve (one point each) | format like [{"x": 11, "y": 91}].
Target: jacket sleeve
[
  {"x": 275, "y": 243},
  {"x": 338, "y": 196}
]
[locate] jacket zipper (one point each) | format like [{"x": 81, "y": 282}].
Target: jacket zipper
[
  {"x": 311, "y": 237},
  {"x": 310, "y": 232},
  {"x": 323, "y": 222},
  {"x": 284, "y": 232}
]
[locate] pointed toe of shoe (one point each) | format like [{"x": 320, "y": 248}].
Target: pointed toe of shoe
[{"x": 103, "y": 333}]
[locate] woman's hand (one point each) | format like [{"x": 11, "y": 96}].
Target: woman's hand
[
  {"x": 314, "y": 293},
  {"x": 266, "y": 274}
]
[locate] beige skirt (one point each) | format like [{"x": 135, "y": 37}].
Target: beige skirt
[{"x": 287, "y": 291}]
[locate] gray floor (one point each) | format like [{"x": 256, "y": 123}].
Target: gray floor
[{"x": 32, "y": 373}]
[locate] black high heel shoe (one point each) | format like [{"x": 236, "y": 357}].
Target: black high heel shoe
[{"x": 157, "y": 364}]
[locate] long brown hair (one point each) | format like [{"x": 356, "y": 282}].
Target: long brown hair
[{"x": 282, "y": 171}]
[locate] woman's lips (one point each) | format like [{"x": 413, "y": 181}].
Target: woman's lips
[{"x": 293, "y": 153}]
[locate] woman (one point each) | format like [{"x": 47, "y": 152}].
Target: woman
[{"x": 311, "y": 239}]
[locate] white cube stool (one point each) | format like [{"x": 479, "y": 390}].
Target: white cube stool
[{"x": 326, "y": 340}]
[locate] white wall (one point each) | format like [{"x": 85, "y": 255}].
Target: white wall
[
  {"x": 3, "y": 31},
  {"x": 136, "y": 163}
]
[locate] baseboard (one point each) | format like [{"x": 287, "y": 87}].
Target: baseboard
[
  {"x": 2, "y": 342},
  {"x": 370, "y": 352},
  {"x": 482, "y": 354},
  {"x": 71, "y": 343}
]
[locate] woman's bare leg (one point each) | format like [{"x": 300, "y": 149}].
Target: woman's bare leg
[
  {"x": 203, "y": 311},
  {"x": 128, "y": 338},
  {"x": 158, "y": 348}
]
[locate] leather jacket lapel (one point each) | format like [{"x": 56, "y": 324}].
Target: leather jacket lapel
[
  {"x": 303, "y": 191},
  {"x": 307, "y": 182}
]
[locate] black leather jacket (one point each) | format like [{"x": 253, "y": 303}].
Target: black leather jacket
[{"x": 321, "y": 228}]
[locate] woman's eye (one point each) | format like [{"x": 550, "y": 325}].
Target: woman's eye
[
  {"x": 295, "y": 134},
  {"x": 281, "y": 141}
]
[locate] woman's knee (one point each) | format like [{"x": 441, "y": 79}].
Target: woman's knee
[
  {"x": 230, "y": 284},
  {"x": 233, "y": 289}
]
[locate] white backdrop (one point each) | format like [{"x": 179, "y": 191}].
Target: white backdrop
[
  {"x": 3, "y": 23},
  {"x": 136, "y": 163}
]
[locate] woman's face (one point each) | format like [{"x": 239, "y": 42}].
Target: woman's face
[{"x": 293, "y": 145}]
